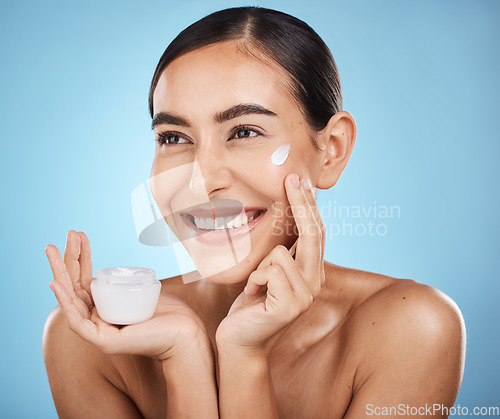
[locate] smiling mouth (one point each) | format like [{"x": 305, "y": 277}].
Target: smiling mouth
[
  {"x": 206, "y": 224},
  {"x": 219, "y": 221}
]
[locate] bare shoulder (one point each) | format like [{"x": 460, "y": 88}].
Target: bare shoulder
[
  {"x": 68, "y": 356},
  {"x": 61, "y": 345},
  {"x": 408, "y": 340},
  {"x": 82, "y": 379},
  {"x": 376, "y": 299},
  {"x": 404, "y": 306}
]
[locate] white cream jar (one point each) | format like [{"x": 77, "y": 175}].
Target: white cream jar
[{"x": 125, "y": 295}]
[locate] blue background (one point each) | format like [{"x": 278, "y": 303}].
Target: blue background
[{"x": 420, "y": 78}]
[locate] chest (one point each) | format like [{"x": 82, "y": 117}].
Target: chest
[
  {"x": 313, "y": 382},
  {"x": 318, "y": 383}
]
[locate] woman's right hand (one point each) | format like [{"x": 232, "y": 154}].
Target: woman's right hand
[{"x": 174, "y": 327}]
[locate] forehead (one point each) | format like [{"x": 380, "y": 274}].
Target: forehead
[{"x": 218, "y": 76}]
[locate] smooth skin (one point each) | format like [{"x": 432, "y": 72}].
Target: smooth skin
[{"x": 276, "y": 336}]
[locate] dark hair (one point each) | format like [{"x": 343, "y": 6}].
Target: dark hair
[{"x": 291, "y": 43}]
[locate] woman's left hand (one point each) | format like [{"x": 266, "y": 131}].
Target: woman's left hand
[{"x": 281, "y": 288}]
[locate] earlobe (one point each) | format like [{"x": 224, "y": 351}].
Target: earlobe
[{"x": 338, "y": 140}]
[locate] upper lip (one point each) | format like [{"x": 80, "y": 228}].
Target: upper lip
[{"x": 209, "y": 211}]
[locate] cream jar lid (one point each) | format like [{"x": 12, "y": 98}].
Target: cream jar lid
[{"x": 125, "y": 275}]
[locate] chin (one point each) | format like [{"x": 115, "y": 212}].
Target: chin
[
  {"x": 221, "y": 268},
  {"x": 234, "y": 273}
]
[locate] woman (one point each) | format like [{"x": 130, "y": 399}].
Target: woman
[{"x": 265, "y": 332}]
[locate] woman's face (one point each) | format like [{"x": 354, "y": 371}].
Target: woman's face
[{"x": 219, "y": 115}]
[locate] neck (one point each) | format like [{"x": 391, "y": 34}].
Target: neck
[{"x": 212, "y": 301}]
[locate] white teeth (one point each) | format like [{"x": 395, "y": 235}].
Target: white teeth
[
  {"x": 222, "y": 222},
  {"x": 237, "y": 221},
  {"x": 219, "y": 226},
  {"x": 219, "y": 223},
  {"x": 209, "y": 224}
]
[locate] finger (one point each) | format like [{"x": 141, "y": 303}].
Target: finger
[
  {"x": 59, "y": 271},
  {"x": 308, "y": 254},
  {"x": 308, "y": 189},
  {"x": 275, "y": 280},
  {"x": 61, "y": 276},
  {"x": 281, "y": 256},
  {"x": 293, "y": 249},
  {"x": 71, "y": 256},
  {"x": 280, "y": 298},
  {"x": 78, "y": 323},
  {"x": 85, "y": 263}
]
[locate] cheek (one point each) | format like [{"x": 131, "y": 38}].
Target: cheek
[
  {"x": 266, "y": 174},
  {"x": 280, "y": 165},
  {"x": 169, "y": 187},
  {"x": 270, "y": 182}
]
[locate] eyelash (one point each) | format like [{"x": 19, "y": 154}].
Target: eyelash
[{"x": 162, "y": 139}]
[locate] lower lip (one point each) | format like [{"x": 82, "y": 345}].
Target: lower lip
[{"x": 221, "y": 236}]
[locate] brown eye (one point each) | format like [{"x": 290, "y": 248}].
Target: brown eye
[
  {"x": 171, "y": 138},
  {"x": 244, "y": 132}
]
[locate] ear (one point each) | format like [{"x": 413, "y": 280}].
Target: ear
[{"x": 337, "y": 141}]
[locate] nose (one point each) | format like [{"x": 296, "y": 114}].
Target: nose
[{"x": 210, "y": 175}]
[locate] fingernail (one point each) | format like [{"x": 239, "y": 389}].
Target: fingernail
[
  {"x": 295, "y": 181},
  {"x": 306, "y": 184}
]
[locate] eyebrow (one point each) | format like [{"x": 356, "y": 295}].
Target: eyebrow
[
  {"x": 168, "y": 118},
  {"x": 240, "y": 110},
  {"x": 220, "y": 117}
]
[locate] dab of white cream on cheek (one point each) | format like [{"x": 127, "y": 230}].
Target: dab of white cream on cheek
[{"x": 280, "y": 154}]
